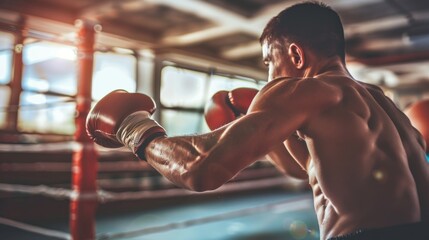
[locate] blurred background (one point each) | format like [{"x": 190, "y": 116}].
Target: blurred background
[
  {"x": 187, "y": 50},
  {"x": 180, "y": 52}
]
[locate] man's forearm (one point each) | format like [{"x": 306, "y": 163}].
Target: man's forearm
[{"x": 182, "y": 159}]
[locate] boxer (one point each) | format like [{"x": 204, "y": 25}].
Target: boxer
[{"x": 363, "y": 159}]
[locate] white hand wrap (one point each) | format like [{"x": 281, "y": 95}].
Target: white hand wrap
[{"x": 133, "y": 128}]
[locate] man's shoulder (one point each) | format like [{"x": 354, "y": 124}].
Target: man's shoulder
[
  {"x": 298, "y": 92},
  {"x": 292, "y": 82},
  {"x": 297, "y": 87},
  {"x": 283, "y": 85},
  {"x": 371, "y": 87}
]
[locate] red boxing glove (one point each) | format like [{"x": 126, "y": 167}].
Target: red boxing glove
[
  {"x": 224, "y": 107},
  {"x": 241, "y": 98},
  {"x": 123, "y": 119},
  {"x": 418, "y": 113}
]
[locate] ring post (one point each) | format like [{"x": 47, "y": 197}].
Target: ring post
[
  {"x": 85, "y": 159},
  {"x": 16, "y": 81}
]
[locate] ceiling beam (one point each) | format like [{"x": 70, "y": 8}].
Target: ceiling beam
[
  {"x": 228, "y": 22},
  {"x": 224, "y": 27},
  {"x": 381, "y": 44},
  {"x": 198, "y": 36},
  {"x": 47, "y": 11},
  {"x": 356, "y": 30},
  {"x": 395, "y": 59},
  {"x": 250, "y": 49},
  {"x": 372, "y": 26},
  {"x": 111, "y": 9}
]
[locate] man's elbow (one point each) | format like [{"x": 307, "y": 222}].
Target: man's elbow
[
  {"x": 297, "y": 174},
  {"x": 206, "y": 179},
  {"x": 203, "y": 186}
]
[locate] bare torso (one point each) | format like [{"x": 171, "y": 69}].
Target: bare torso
[
  {"x": 357, "y": 162},
  {"x": 363, "y": 159}
]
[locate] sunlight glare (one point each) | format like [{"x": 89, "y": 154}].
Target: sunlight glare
[{"x": 110, "y": 78}]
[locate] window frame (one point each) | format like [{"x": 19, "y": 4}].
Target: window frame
[
  {"x": 209, "y": 71},
  {"x": 34, "y": 38}
]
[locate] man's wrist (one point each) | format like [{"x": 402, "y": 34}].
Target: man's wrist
[
  {"x": 137, "y": 130},
  {"x": 140, "y": 150}
]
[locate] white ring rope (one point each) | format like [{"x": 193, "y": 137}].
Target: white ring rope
[
  {"x": 35, "y": 229},
  {"x": 58, "y": 193},
  {"x": 296, "y": 204},
  {"x": 15, "y": 108},
  {"x": 177, "y": 192},
  {"x": 107, "y": 196}
]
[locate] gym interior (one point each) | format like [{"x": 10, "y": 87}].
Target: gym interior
[{"x": 58, "y": 58}]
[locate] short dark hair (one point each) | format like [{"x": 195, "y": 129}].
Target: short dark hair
[{"x": 313, "y": 24}]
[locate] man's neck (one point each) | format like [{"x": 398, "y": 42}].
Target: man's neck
[{"x": 332, "y": 66}]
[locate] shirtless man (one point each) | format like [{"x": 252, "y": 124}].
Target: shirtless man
[{"x": 364, "y": 161}]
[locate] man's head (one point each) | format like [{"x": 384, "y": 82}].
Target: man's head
[{"x": 305, "y": 27}]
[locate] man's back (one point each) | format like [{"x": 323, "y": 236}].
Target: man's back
[{"x": 358, "y": 159}]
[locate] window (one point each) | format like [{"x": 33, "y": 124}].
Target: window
[
  {"x": 184, "y": 93},
  {"x": 181, "y": 122},
  {"x": 49, "y": 67},
  {"x": 182, "y": 96},
  {"x": 4, "y": 100},
  {"x": 6, "y": 53},
  {"x": 113, "y": 71},
  {"x": 43, "y": 113},
  {"x": 49, "y": 85},
  {"x": 183, "y": 88}
]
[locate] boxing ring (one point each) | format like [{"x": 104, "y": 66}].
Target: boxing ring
[
  {"x": 259, "y": 208},
  {"x": 85, "y": 195},
  {"x": 272, "y": 213},
  {"x": 293, "y": 212}
]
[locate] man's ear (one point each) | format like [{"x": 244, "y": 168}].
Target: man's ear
[{"x": 296, "y": 53}]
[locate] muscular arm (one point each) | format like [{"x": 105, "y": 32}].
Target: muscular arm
[
  {"x": 179, "y": 158},
  {"x": 285, "y": 162},
  {"x": 414, "y": 146},
  {"x": 206, "y": 162}
]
